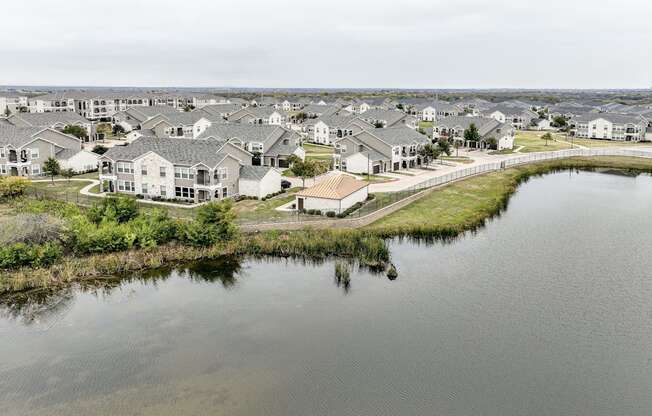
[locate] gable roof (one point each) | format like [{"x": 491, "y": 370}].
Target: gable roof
[
  {"x": 396, "y": 136},
  {"x": 49, "y": 118},
  {"x": 20, "y": 136},
  {"x": 255, "y": 173},
  {"x": 178, "y": 151}
]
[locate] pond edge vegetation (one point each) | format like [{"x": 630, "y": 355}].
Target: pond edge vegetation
[{"x": 140, "y": 241}]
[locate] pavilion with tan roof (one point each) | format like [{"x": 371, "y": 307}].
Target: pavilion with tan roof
[{"x": 336, "y": 194}]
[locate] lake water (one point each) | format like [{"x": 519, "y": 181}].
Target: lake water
[{"x": 546, "y": 311}]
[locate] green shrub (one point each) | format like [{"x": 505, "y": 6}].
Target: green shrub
[
  {"x": 219, "y": 217},
  {"x": 12, "y": 186},
  {"x": 331, "y": 214},
  {"x": 115, "y": 208},
  {"x": 17, "y": 255}
]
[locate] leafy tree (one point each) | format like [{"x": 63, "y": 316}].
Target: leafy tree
[
  {"x": 215, "y": 222},
  {"x": 52, "y": 167},
  {"x": 472, "y": 134},
  {"x": 116, "y": 208},
  {"x": 444, "y": 146},
  {"x": 559, "y": 121},
  {"x": 547, "y": 137},
  {"x": 188, "y": 108},
  {"x": 303, "y": 168},
  {"x": 399, "y": 106},
  {"x": 456, "y": 145},
  {"x": 492, "y": 143},
  {"x": 77, "y": 131},
  {"x": 429, "y": 152},
  {"x": 99, "y": 149},
  {"x": 378, "y": 125},
  {"x": 118, "y": 130},
  {"x": 301, "y": 116},
  {"x": 67, "y": 173}
]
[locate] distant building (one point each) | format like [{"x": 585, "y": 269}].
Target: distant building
[
  {"x": 608, "y": 126},
  {"x": 453, "y": 128}
]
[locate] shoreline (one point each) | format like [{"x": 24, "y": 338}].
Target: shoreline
[{"x": 367, "y": 245}]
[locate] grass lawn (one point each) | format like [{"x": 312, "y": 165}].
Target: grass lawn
[
  {"x": 458, "y": 159},
  {"x": 604, "y": 143},
  {"x": 317, "y": 148},
  {"x": 326, "y": 158},
  {"x": 373, "y": 178},
  {"x": 532, "y": 142},
  {"x": 60, "y": 188},
  {"x": 425, "y": 124},
  {"x": 502, "y": 152},
  {"x": 465, "y": 204},
  {"x": 256, "y": 210}
]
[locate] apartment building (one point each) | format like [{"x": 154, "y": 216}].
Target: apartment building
[
  {"x": 187, "y": 125},
  {"x": 24, "y": 150},
  {"x": 384, "y": 118},
  {"x": 330, "y": 128},
  {"x": 453, "y": 128},
  {"x": 379, "y": 150},
  {"x": 271, "y": 145},
  {"x": 608, "y": 126},
  {"x": 57, "y": 121},
  {"x": 190, "y": 170},
  {"x": 520, "y": 118},
  {"x": 259, "y": 115},
  {"x": 14, "y": 102},
  {"x": 133, "y": 117}
]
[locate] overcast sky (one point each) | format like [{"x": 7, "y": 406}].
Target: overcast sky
[{"x": 328, "y": 43}]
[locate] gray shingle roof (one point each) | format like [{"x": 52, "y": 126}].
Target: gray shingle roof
[
  {"x": 611, "y": 117},
  {"x": 389, "y": 116},
  {"x": 254, "y": 172},
  {"x": 17, "y": 136},
  {"x": 50, "y": 118},
  {"x": 178, "y": 151},
  {"x": 400, "y": 135},
  {"x": 244, "y": 132}
]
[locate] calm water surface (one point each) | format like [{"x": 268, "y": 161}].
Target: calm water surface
[{"x": 546, "y": 311}]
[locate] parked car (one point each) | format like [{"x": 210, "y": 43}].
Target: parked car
[{"x": 285, "y": 184}]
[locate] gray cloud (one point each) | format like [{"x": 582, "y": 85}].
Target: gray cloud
[{"x": 329, "y": 43}]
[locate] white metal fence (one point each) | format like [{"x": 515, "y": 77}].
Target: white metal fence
[{"x": 393, "y": 197}]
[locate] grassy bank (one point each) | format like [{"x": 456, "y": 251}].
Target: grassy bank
[
  {"x": 443, "y": 213},
  {"x": 466, "y": 205}
]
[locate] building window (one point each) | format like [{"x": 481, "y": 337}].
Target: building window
[
  {"x": 183, "y": 192},
  {"x": 3, "y": 169},
  {"x": 222, "y": 173},
  {"x": 125, "y": 167},
  {"x": 126, "y": 186},
  {"x": 163, "y": 190},
  {"x": 225, "y": 192},
  {"x": 162, "y": 171},
  {"x": 144, "y": 188},
  {"x": 143, "y": 170},
  {"x": 183, "y": 173},
  {"x": 3, "y": 152},
  {"x": 36, "y": 169},
  {"x": 33, "y": 153}
]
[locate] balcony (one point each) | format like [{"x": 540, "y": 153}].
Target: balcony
[{"x": 202, "y": 177}]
